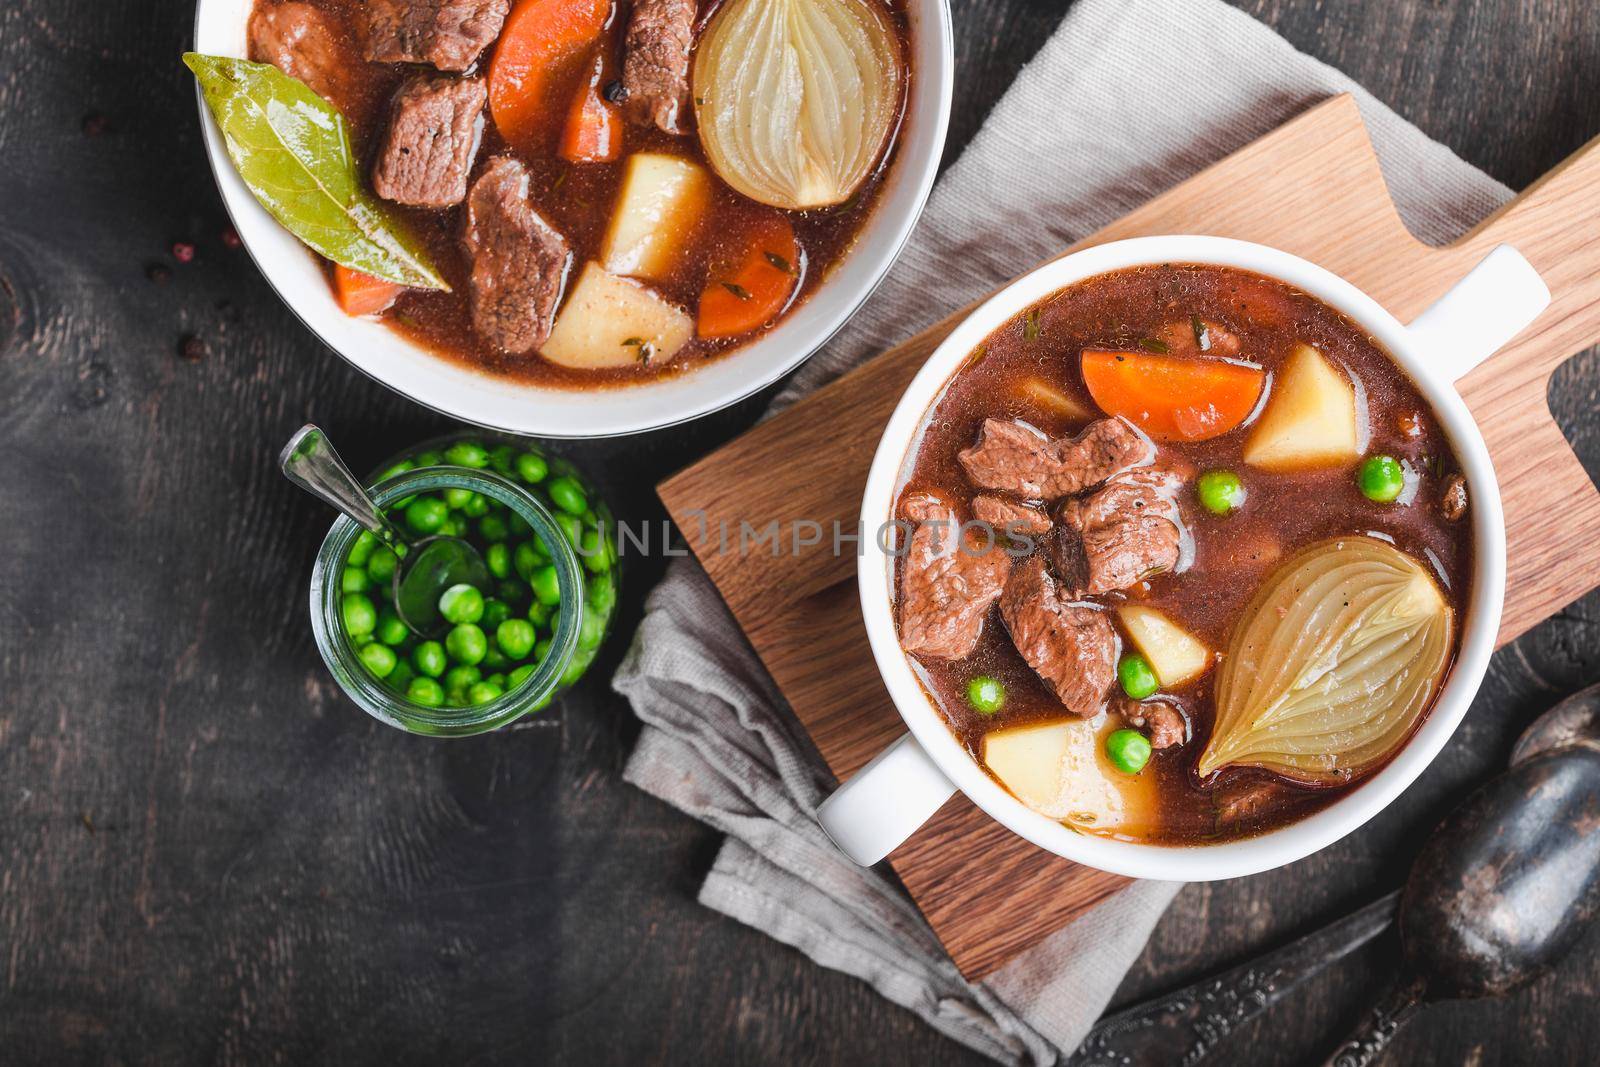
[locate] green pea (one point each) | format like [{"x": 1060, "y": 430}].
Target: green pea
[
  {"x": 541, "y": 651},
  {"x": 539, "y": 614},
  {"x": 426, "y": 514},
  {"x": 497, "y": 557},
  {"x": 1221, "y": 492},
  {"x": 484, "y": 692},
  {"x": 462, "y": 678},
  {"x": 431, "y": 458},
  {"x": 580, "y": 663},
  {"x": 383, "y": 564},
  {"x": 546, "y": 585},
  {"x": 498, "y": 679},
  {"x": 400, "y": 678},
  {"x": 526, "y": 559},
  {"x": 986, "y": 694},
  {"x": 593, "y": 551},
  {"x": 391, "y": 631},
  {"x": 461, "y": 603},
  {"x": 429, "y": 658},
  {"x": 518, "y": 525},
  {"x": 466, "y": 643},
  {"x": 495, "y": 612},
  {"x": 467, "y": 454},
  {"x": 1138, "y": 678},
  {"x": 492, "y": 528},
  {"x": 520, "y": 675},
  {"x": 591, "y": 630},
  {"x": 454, "y": 526},
  {"x": 359, "y": 614},
  {"x": 425, "y": 691},
  {"x": 399, "y": 468},
  {"x": 379, "y": 659},
  {"x": 354, "y": 580},
  {"x": 602, "y": 593},
  {"x": 477, "y": 507},
  {"x": 532, "y": 468},
  {"x": 495, "y": 660},
  {"x": 456, "y": 499},
  {"x": 1128, "y": 750},
  {"x": 1381, "y": 478},
  {"x": 571, "y": 528},
  {"x": 515, "y": 637},
  {"x": 361, "y": 549},
  {"x": 501, "y": 457},
  {"x": 568, "y": 495}
]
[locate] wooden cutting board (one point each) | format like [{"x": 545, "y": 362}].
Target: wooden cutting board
[{"x": 1313, "y": 188}]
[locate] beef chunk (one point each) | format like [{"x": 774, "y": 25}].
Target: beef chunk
[
  {"x": 1453, "y": 503},
  {"x": 519, "y": 261},
  {"x": 1199, "y": 337},
  {"x": 303, "y": 42},
  {"x": 450, "y": 34},
  {"x": 1119, "y": 535},
  {"x": 1016, "y": 458},
  {"x": 1166, "y": 722},
  {"x": 1008, "y": 516},
  {"x": 655, "y": 66},
  {"x": 432, "y": 140},
  {"x": 1073, "y": 647},
  {"x": 945, "y": 590}
]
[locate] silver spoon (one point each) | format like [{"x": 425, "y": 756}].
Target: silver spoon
[
  {"x": 428, "y": 566},
  {"x": 1186, "y": 1026}
]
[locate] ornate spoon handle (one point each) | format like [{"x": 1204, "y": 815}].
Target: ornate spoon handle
[{"x": 1186, "y": 1026}]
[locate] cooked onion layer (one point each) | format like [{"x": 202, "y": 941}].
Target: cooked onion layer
[
  {"x": 796, "y": 99},
  {"x": 1334, "y": 663}
]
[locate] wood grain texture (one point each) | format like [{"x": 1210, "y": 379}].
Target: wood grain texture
[
  {"x": 273, "y": 878},
  {"x": 1313, "y": 188}
]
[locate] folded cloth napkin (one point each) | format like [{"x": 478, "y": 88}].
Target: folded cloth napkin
[{"x": 1085, "y": 134}]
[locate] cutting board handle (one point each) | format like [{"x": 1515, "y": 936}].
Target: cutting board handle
[{"x": 1556, "y": 214}]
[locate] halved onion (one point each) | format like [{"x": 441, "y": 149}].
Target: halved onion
[
  {"x": 796, "y": 99},
  {"x": 1333, "y": 665}
]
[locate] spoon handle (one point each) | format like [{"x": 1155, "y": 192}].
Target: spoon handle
[
  {"x": 310, "y": 462},
  {"x": 1186, "y": 1026},
  {"x": 1371, "y": 1036}
]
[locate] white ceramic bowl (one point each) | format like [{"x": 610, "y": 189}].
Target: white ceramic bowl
[
  {"x": 220, "y": 29},
  {"x": 882, "y": 805}
]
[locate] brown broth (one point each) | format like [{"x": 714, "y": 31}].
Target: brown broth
[
  {"x": 578, "y": 200},
  {"x": 1284, "y": 511}
]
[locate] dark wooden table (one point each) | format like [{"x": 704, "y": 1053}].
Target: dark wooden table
[{"x": 207, "y": 854}]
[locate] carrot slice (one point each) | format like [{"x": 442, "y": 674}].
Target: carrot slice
[
  {"x": 542, "y": 40},
  {"x": 757, "y": 288},
  {"x": 594, "y": 124},
  {"x": 362, "y": 294},
  {"x": 1171, "y": 398}
]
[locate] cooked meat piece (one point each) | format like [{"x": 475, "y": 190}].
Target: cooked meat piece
[
  {"x": 1014, "y": 457},
  {"x": 519, "y": 261},
  {"x": 1453, "y": 503},
  {"x": 1166, "y": 722},
  {"x": 432, "y": 140},
  {"x": 655, "y": 65},
  {"x": 1198, "y": 337},
  {"x": 1073, "y": 647},
  {"x": 303, "y": 42},
  {"x": 1010, "y": 517},
  {"x": 1119, "y": 535},
  {"x": 450, "y": 34},
  {"x": 1240, "y": 801},
  {"x": 945, "y": 590}
]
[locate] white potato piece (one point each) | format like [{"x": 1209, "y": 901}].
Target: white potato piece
[
  {"x": 662, "y": 202},
  {"x": 1176, "y": 655},
  {"x": 1060, "y": 770},
  {"x": 609, "y": 321},
  {"x": 1310, "y": 419}
]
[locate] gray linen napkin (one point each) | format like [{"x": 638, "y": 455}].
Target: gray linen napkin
[{"x": 1083, "y": 136}]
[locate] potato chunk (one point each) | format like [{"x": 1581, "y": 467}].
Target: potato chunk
[
  {"x": 1310, "y": 420},
  {"x": 609, "y": 321},
  {"x": 1060, "y": 770},
  {"x": 1175, "y": 654},
  {"x": 662, "y": 202}
]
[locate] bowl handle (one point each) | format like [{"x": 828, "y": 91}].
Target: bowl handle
[
  {"x": 1481, "y": 312},
  {"x": 885, "y": 802}
]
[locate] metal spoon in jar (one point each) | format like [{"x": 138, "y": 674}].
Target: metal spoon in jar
[
  {"x": 1500, "y": 891},
  {"x": 428, "y": 566}
]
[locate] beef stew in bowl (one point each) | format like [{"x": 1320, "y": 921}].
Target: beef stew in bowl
[{"x": 1109, "y": 462}]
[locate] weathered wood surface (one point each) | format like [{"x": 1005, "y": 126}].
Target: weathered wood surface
[{"x": 270, "y": 876}]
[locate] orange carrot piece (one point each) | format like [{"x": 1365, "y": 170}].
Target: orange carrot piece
[
  {"x": 1172, "y": 398},
  {"x": 594, "y": 124},
  {"x": 362, "y": 294},
  {"x": 758, "y": 287},
  {"x": 541, "y": 41}
]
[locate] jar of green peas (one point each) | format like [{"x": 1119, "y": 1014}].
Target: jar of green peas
[{"x": 506, "y": 649}]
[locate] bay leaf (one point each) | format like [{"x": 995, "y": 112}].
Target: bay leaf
[{"x": 292, "y": 148}]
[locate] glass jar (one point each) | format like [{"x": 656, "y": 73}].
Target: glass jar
[{"x": 549, "y": 504}]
